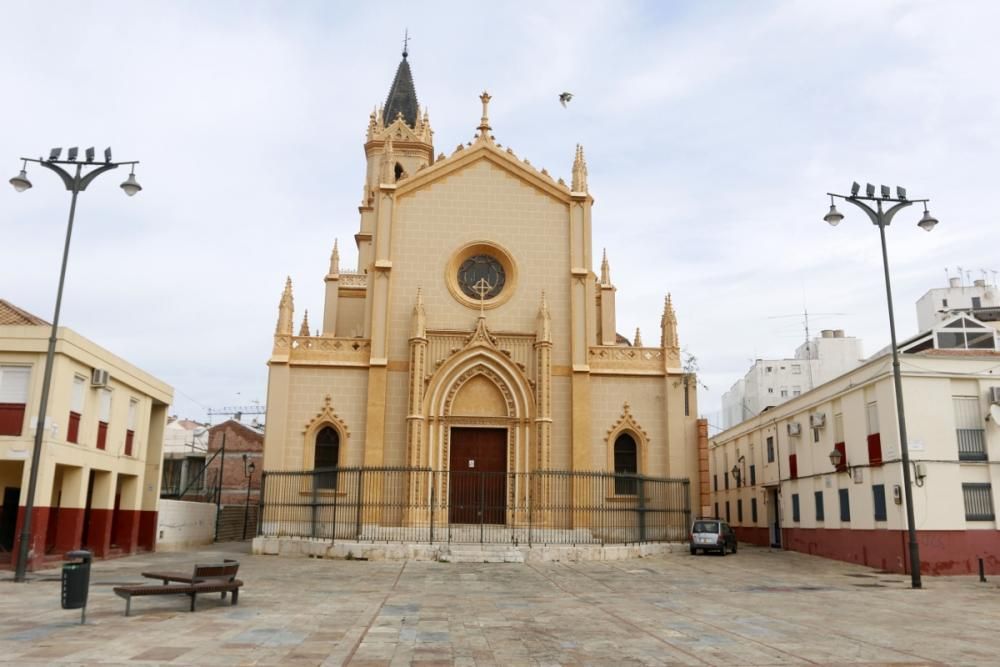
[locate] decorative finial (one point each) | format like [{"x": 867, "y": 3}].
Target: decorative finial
[
  {"x": 304, "y": 329},
  {"x": 638, "y": 338},
  {"x": 406, "y": 41},
  {"x": 605, "y": 269},
  {"x": 285, "y": 309},
  {"x": 484, "y": 122},
  {"x": 543, "y": 328},
  {"x": 668, "y": 325},
  {"x": 418, "y": 320},
  {"x": 579, "y": 171},
  {"x": 335, "y": 259}
]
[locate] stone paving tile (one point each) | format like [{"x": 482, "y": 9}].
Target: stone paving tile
[{"x": 755, "y": 608}]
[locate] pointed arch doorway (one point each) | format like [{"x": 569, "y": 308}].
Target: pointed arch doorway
[{"x": 477, "y": 489}]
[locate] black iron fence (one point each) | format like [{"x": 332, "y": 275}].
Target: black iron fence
[{"x": 422, "y": 505}]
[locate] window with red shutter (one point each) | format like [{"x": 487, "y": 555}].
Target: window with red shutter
[
  {"x": 793, "y": 466},
  {"x": 875, "y": 449}
]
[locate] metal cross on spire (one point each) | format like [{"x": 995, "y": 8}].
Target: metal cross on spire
[
  {"x": 482, "y": 288},
  {"x": 406, "y": 40}
]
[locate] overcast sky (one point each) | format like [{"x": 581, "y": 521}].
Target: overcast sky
[{"x": 712, "y": 131}]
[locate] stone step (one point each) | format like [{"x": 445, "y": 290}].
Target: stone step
[{"x": 482, "y": 554}]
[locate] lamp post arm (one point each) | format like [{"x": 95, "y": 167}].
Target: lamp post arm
[
  {"x": 67, "y": 179},
  {"x": 887, "y": 216}
]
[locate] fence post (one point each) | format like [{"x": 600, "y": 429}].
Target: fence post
[
  {"x": 357, "y": 520},
  {"x": 482, "y": 508},
  {"x": 433, "y": 493},
  {"x": 641, "y": 488},
  {"x": 260, "y": 503},
  {"x": 312, "y": 529},
  {"x": 336, "y": 492}
]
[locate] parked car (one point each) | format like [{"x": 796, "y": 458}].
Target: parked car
[{"x": 712, "y": 535}]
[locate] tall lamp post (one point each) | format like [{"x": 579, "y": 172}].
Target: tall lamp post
[
  {"x": 881, "y": 218},
  {"x": 248, "y": 470},
  {"x": 76, "y": 181}
]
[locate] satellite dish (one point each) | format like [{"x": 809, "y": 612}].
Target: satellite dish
[{"x": 995, "y": 413}]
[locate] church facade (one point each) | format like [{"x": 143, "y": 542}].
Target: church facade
[{"x": 475, "y": 332}]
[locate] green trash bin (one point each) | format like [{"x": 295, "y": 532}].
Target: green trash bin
[{"x": 76, "y": 582}]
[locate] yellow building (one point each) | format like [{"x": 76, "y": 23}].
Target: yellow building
[
  {"x": 474, "y": 334},
  {"x": 99, "y": 470}
]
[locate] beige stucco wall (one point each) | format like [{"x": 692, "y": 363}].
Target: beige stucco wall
[
  {"x": 182, "y": 525},
  {"x": 75, "y": 355},
  {"x": 929, "y": 383}
]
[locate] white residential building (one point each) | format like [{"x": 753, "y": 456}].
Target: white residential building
[
  {"x": 771, "y": 382},
  {"x": 941, "y": 303}
]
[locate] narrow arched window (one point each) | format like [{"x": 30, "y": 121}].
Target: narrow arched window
[
  {"x": 327, "y": 456},
  {"x": 399, "y": 171},
  {"x": 626, "y": 465}
]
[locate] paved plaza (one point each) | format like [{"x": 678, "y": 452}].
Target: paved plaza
[{"x": 757, "y": 607}]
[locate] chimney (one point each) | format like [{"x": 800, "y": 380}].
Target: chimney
[
  {"x": 955, "y": 282},
  {"x": 827, "y": 333},
  {"x": 979, "y": 283},
  {"x": 838, "y": 333}
]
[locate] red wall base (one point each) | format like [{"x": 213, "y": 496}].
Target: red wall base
[
  {"x": 942, "y": 552},
  {"x": 147, "y": 531},
  {"x": 98, "y": 537},
  {"x": 753, "y": 535}
]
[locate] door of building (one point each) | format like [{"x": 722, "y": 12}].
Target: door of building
[
  {"x": 8, "y": 518},
  {"x": 774, "y": 516},
  {"x": 477, "y": 488}
]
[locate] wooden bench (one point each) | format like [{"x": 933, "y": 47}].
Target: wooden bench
[{"x": 210, "y": 578}]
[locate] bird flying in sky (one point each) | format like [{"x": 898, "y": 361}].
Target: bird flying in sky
[{"x": 564, "y": 98}]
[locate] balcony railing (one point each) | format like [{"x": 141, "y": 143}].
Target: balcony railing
[{"x": 428, "y": 506}]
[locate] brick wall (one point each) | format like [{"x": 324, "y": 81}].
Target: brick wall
[{"x": 239, "y": 440}]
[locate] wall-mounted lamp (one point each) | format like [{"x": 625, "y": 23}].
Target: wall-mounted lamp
[{"x": 839, "y": 461}]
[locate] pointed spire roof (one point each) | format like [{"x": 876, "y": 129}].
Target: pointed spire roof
[{"x": 402, "y": 98}]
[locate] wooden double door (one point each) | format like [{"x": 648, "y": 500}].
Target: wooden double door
[{"x": 477, "y": 479}]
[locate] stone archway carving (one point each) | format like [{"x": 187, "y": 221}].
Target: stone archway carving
[{"x": 627, "y": 423}]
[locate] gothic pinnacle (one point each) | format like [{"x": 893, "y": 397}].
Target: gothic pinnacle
[
  {"x": 579, "y": 171},
  {"x": 335, "y": 259},
  {"x": 605, "y": 269},
  {"x": 638, "y": 338},
  {"x": 304, "y": 329}
]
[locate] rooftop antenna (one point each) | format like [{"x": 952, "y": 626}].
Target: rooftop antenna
[
  {"x": 960, "y": 277},
  {"x": 406, "y": 41},
  {"x": 947, "y": 276},
  {"x": 994, "y": 272}
]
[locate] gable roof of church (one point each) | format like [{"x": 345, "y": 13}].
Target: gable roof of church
[{"x": 402, "y": 98}]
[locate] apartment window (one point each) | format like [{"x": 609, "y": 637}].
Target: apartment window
[
  {"x": 784, "y": 392},
  {"x": 753, "y": 475},
  {"x": 76, "y": 409},
  {"x": 977, "y": 302},
  {"x": 944, "y": 303},
  {"x": 103, "y": 417},
  {"x": 770, "y": 390},
  {"x": 770, "y": 369},
  {"x": 795, "y": 507},
  {"x": 753, "y": 510},
  {"x": 820, "y": 514},
  {"x": 796, "y": 391},
  {"x": 874, "y": 439},
  {"x": 739, "y": 510},
  {"x": 878, "y": 499},
  {"x": 725, "y": 479},
  {"x": 796, "y": 369},
  {"x": 13, "y": 398},
  {"x": 815, "y": 435},
  {"x": 133, "y": 412},
  {"x": 715, "y": 482},
  {"x": 845, "y": 504},
  {"x": 969, "y": 428},
  {"x": 978, "y": 502},
  {"x": 838, "y": 440},
  {"x": 793, "y": 466},
  {"x": 728, "y": 520},
  {"x": 716, "y": 510},
  {"x": 770, "y": 449}
]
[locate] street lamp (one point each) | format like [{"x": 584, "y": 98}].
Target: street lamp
[
  {"x": 881, "y": 218},
  {"x": 76, "y": 183},
  {"x": 248, "y": 470}
]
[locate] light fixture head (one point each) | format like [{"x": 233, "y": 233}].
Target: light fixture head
[
  {"x": 886, "y": 193},
  {"x": 928, "y": 221},
  {"x": 90, "y": 154},
  {"x": 834, "y": 216},
  {"x": 107, "y": 154},
  {"x": 900, "y": 192},
  {"x": 836, "y": 458},
  {"x": 855, "y": 188},
  {"x": 72, "y": 153},
  {"x": 54, "y": 154},
  {"x": 251, "y": 467},
  {"x": 21, "y": 182},
  {"x": 131, "y": 186},
  {"x": 869, "y": 189}
]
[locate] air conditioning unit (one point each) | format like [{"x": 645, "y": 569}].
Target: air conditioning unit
[
  {"x": 794, "y": 428},
  {"x": 99, "y": 377},
  {"x": 995, "y": 395},
  {"x": 817, "y": 420}
]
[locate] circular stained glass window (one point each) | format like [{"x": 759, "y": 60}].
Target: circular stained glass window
[{"x": 481, "y": 276}]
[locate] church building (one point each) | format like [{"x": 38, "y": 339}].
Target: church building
[{"x": 475, "y": 332}]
